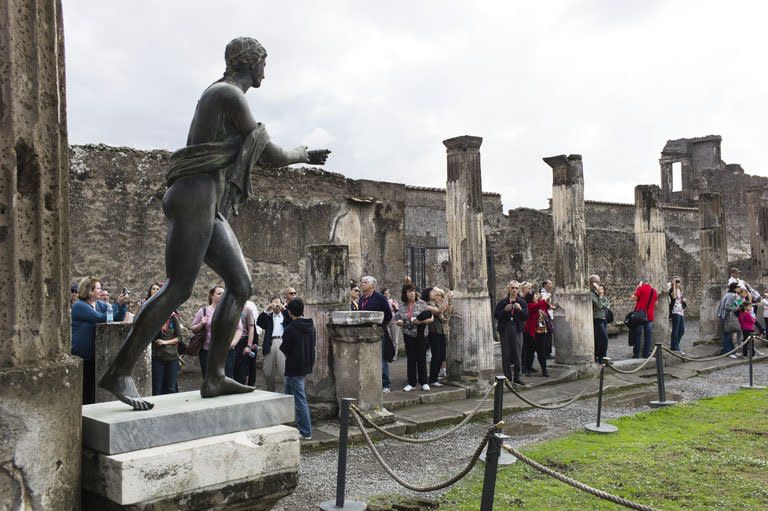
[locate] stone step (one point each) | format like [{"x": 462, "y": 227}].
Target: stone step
[{"x": 114, "y": 427}]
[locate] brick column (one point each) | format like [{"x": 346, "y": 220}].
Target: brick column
[
  {"x": 470, "y": 346},
  {"x": 326, "y": 281},
  {"x": 713, "y": 255},
  {"x": 40, "y": 384}
]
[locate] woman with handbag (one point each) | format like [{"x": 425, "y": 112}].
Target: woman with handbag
[
  {"x": 599, "y": 328},
  {"x": 726, "y": 311},
  {"x": 165, "y": 352},
  {"x": 677, "y": 308},
  {"x": 645, "y": 298},
  {"x": 202, "y": 322},
  {"x": 412, "y": 317},
  {"x": 535, "y": 329}
]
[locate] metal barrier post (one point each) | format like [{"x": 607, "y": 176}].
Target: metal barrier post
[
  {"x": 660, "y": 379},
  {"x": 494, "y": 448},
  {"x": 341, "y": 470},
  {"x": 751, "y": 348},
  {"x": 596, "y": 426}
]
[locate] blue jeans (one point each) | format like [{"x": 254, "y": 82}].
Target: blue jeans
[
  {"x": 678, "y": 330},
  {"x": 601, "y": 339},
  {"x": 229, "y": 365},
  {"x": 165, "y": 373},
  {"x": 728, "y": 338},
  {"x": 385, "y": 382},
  {"x": 294, "y": 385},
  {"x": 646, "y": 331}
]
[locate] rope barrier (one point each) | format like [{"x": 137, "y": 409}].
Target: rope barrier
[
  {"x": 435, "y": 487},
  {"x": 709, "y": 358},
  {"x": 638, "y": 368},
  {"x": 552, "y": 407},
  {"x": 460, "y": 425},
  {"x": 573, "y": 482}
]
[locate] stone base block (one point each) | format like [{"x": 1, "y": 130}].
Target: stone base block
[
  {"x": 181, "y": 472},
  {"x": 40, "y": 432},
  {"x": 114, "y": 427},
  {"x": 469, "y": 356}
]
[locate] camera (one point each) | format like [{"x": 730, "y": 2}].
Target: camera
[{"x": 126, "y": 291}]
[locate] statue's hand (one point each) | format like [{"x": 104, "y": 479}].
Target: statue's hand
[{"x": 318, "y": 156}]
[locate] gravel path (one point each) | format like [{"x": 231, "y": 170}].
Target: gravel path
[{"x": 431, "y": 463}]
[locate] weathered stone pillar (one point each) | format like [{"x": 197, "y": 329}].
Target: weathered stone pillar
[
  {"x": 325, "y": 285},
  {"x": 651, "y": 261},
  {"x": 757, "y": 217},
  {"x": 109, "y": 339},
  {"x": 40, "y": 384},
  {"x": 713, "y": 255},
  {"x": 470, "y": 346},
  {"x": 356, "y": 337},
  {"x": 574, "y": 332}
]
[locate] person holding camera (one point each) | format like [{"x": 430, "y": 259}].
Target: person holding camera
[
  {"x": 247, "y": 347},
  {"x": 273, "y": 321},
  {"x": 511, "y": 314},
  {"x": 677, "y": 306},
  {"x": 165, "y": 351},
  {"x": 599, "y": 305},
  {"x": 412, "y": 317}
]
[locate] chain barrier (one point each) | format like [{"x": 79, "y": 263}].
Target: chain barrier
[
  {"x": 573, "y": 482},
  {"x": 434, "y": 487},
  {"x": 552, "y": 407},
  {"x": 457, "y": 427},
  {"x": 638, "y": 368},
  {"x": 709, "y": 358}
]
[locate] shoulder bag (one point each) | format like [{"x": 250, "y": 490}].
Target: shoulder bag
[
  {"x": 640, "y": 316},
  {"x": 196, "y": 341}
]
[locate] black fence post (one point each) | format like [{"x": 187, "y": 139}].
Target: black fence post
[
  {"x": 597, "y": 427},
  {"x": 494, "y": 448},
  {"x": 660, "y": 379},
  {"x": 341, "y": 470},
  {"x": 751, "y": 348}
]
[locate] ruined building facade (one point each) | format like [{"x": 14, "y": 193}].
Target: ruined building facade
[{"x": 393, "y": 230}]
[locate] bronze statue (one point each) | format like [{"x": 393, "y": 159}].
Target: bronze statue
[{"x": 207, "y": 181}]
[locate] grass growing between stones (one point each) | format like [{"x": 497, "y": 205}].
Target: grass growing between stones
[{"x": 712, "y": 454}]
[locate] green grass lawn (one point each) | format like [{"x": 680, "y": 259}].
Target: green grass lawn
[{"x": 712, "y": 454}]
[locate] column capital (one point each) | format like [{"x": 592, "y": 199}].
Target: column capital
[
  {"x": 567, "y": 170},
  {"x": 463, "y": 143}
]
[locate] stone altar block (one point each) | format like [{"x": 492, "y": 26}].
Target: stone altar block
[
  {"x": 229, "y": 452},
  {"x": 356, "y": 337},
  {"x": 109, "y": 339}
]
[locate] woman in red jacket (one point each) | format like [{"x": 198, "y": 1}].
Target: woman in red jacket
[{"x": 536, "y": 329}]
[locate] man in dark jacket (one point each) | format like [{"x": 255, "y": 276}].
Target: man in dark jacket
[
  {"x": 372, "y": 300},
  {"x": 298, "y": 345},
  {"x": 511, "y": 313}
]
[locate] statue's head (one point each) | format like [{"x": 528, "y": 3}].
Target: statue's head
[{"x": 244, "y": 54}]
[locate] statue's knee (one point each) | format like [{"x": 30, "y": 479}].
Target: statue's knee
[{"x": 243, "y": 289}]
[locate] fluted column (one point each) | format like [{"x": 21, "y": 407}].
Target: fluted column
[
  {"x": 713, "y": 255},
  {"x": 40, "y": 384},
  {"x": 651, "y": 245},
  {"x": 574, "y": 333},
  {"x": 470, "y": 345}
]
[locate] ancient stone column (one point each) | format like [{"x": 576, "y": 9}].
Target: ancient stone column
[
  {"x": 470, "y": 345},
  {"x": 574, "y": 331},
  {"x": 40, "y": 384},
  {"x": 326, "y": 282},
  {"x": 713, "y": 255},
  {"x": 651, "y": 260}
]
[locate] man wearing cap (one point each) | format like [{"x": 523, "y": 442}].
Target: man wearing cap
[
  {"x": 736, "y": 277},
  {"x": 645, "y": 298}
]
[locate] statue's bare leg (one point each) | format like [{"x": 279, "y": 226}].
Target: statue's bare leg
[
  {"x": 189, "y": 206},
  {"x": 225, "y": 257}
]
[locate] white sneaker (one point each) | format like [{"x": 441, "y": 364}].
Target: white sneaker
[
  {"x": 425, "y": 387},
  {"x": 386, "y": 390},
  {"x": 436, "y": 384},
  {"x": 407, "y": 388},
  {"x": 733, "y": 355}
]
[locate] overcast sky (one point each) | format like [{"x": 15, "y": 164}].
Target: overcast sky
[{"x": 382, "y": 84}]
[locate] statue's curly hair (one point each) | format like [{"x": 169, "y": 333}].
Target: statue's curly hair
[{"x": 243, "y": 51}]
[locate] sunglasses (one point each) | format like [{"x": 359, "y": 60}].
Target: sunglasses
[
  {"x": 514, "y": 288},
  {"x": 293, "y": 293}
]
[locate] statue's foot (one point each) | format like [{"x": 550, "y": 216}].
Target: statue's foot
[
  {"x": 219, "y": 386},
  {"x": 124, "y": 389}
]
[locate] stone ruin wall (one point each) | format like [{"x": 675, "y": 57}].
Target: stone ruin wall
[{"x": 118, "y": 229}]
